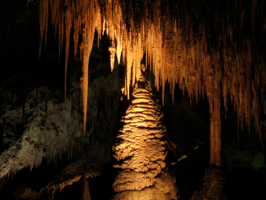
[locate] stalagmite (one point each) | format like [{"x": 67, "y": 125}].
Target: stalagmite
[
  {"x": 85, "y": 189},
  {"x": 141, "y": 146}
]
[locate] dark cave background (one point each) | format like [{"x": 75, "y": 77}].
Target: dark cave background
[{"x": 187, "y": 124}]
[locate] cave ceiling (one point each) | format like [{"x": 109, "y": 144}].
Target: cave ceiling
[
  {"x": 213, "y": 48},
  {"x": 209, "y": 47}
]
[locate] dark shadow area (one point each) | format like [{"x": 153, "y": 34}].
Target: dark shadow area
[{"x": 242, "y": 184}]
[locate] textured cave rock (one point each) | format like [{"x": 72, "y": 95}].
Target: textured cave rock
[
  {"x": 39, "y": 132},
  {"x": 141, "y": 149},
  {"x": 37, "y": 125},
  {"x": 70, "y": 183},
  {"x": 213, "y": 186},
  {"x": 89, "y": 165},
  {"x": 51, "y": 126},
  {"x": 56, "y": 130}
]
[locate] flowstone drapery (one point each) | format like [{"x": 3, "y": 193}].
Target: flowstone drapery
[{"x": 141, "y": 146}]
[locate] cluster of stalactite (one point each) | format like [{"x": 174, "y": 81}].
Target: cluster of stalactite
[
  {"x": 141, "y": 150},
  {"x": 207, "y": 47}
]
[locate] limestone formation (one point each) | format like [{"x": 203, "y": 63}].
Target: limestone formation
[
  {"x": 53, "y": 127},
  {"x": 141, "y": 150},
  {"x": 204, "y": 47}
]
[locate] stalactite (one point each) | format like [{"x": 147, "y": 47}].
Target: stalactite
[
  {"x": 178, "y": 48},
  {"x": 68, "y": 22},
  {"x": 112, "y": 55},
  {"x": 43, "y": 22}
]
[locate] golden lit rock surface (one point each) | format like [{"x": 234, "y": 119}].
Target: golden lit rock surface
[
  {"x": 206, "y": 48},
  {"x": 141, "y": 147}
]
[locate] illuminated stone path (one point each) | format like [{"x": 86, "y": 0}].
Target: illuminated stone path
[{"x": 141, "y": 150}]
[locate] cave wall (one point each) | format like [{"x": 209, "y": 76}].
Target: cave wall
[{"x": 36, "y": 123}]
